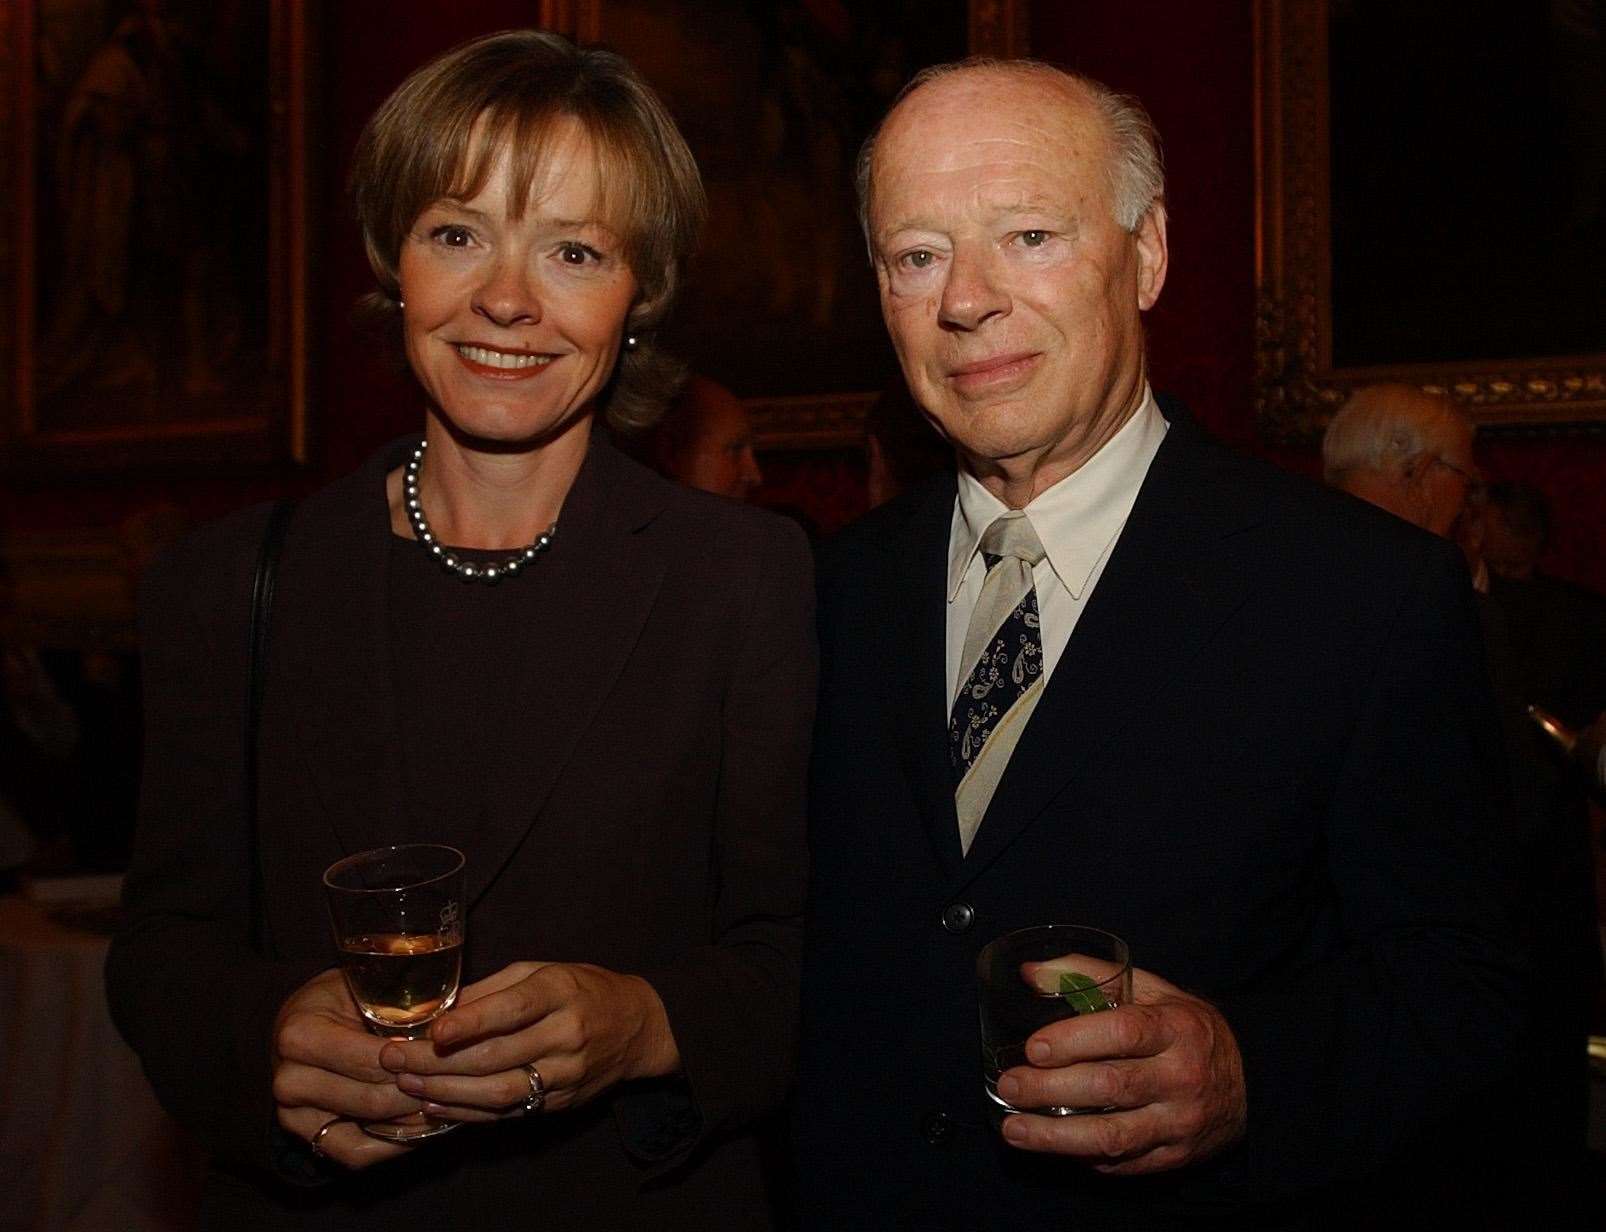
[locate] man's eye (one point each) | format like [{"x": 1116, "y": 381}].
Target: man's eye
[
  {"x": 452, "y": 236},
  {"x": 919, "y": 259},
  {"x": 1034, "y": 239}
]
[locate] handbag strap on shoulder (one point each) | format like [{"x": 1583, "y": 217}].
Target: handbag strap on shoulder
[{"x": 256, "y": 675}]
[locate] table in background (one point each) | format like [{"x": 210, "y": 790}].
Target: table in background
[{"x": 84, "y": 1147}]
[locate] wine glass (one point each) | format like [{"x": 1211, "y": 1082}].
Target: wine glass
[{"x": 398, "y": 924}]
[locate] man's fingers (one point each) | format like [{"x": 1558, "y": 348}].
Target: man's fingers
[
  {"x": 1111, "y": 1139},
  {"x": 1091, "y": 1084},
  {"x": 1147, "y": 986},
  {"x": 1045, "y": 974},
  {"x": 1126, "y": 1031}
]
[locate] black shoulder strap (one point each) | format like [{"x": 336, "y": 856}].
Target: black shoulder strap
[{"x": 261, "y": 610}]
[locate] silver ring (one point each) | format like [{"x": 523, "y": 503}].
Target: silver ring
[
  {"x": 536, "y": 1100},
  {"x": 316, "y": 1141}
]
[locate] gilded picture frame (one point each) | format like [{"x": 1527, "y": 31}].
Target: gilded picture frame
[
  {"x": 154, "y": 258},
  {"x": 1302, "y": 331}
]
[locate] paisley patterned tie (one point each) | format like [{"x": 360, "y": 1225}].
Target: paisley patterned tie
[{"x": 1002, "y": 666}]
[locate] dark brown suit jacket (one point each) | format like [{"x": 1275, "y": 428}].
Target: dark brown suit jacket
[{"x": 652, "y": 823}]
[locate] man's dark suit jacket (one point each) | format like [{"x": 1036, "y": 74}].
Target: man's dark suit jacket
[
  {"x": 1265, "y": 759},
  {"x": 648, "y": 818}
]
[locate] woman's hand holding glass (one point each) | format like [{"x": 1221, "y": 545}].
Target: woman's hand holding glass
[
  {"x": 326, "y": 1064},
  {"x": 583, "y": 1028}
]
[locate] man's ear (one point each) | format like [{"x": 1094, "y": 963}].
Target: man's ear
[
  {"x": 1152, "y": 255},
  {"x": 1414, "y": 483}
]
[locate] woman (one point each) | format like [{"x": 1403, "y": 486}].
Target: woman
[{"x": 614, "y": 732}]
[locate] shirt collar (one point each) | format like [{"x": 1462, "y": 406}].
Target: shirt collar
[{"x": 1078, "y": 518}]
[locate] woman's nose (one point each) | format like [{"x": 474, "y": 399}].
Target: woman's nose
[{"x": 508, "y": 295}]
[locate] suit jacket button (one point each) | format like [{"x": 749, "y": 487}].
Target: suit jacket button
[
  {"x": 958, "y": 917},
  {"x": 936, "y": 1128}
]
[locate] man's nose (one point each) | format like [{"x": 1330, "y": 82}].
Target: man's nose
[
  {"x": 971, "y": 293},
  {"x": 508, "y": 295}
]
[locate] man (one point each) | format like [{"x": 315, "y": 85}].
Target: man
[
  {"x": 1410, "y": 452},
  {"x": 706, "y": 441},
  {"x": 1246, "y": 736}
]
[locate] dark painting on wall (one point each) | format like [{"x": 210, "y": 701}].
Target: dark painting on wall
[
  {"x": 775, "y": 98},
  {"x": 155, "y": 202},
  {"x": 1431, "y": 201},
  {"x": 1469, "y": 163}
]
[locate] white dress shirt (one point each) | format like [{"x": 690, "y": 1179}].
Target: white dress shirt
[{"x": 1077, "y": 520}]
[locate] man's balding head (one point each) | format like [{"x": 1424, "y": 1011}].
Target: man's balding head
[
  {"x": 1135, "y": 168},
  {"x": 1404, "y": 450}
]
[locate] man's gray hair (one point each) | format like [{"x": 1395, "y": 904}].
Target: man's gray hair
[
  {"x": 1386, "y": 427},
  {"x": 1136, "y": 170}
]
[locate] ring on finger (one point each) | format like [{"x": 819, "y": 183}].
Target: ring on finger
[
  {"x": 316, "y": 1141},
  {"x": 536, "y": 1099}
]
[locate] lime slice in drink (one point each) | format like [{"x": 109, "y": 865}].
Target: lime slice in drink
[{"x": 1082, "y": 993}]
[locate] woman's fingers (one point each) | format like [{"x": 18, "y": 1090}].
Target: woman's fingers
[
  {"x": 332, "y": 1044},
  {"x": 342, "y": 1141},
  {"x": 527, "y": 993},
  {"x": 298, "y": 1086},
  {"x": 500, "y": 1093}
]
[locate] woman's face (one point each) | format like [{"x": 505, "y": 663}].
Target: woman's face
[{"x": 513, "y": 325}]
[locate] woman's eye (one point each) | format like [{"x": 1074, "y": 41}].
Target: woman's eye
[
  {"x": 919, "y": 259},
  {"x": 1034, "y": 239},
  {"x": 578, "y": 254},
  {"x": 452, "y": 236}
]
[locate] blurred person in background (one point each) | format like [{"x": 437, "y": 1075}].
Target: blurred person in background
[
  {"x": 705, "y": 440},
  {"x": 1410, "y": 452}
]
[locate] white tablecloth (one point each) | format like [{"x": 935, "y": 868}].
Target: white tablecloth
[{"x": 83, "y": 1145}]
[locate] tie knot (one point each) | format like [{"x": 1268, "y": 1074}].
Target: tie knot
[{"x": 1012, "y": 535}]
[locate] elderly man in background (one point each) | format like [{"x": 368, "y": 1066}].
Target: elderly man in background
[
  {"x": 1407, "y": 451},
  {"x": 1410, "y": 452},
  {"x": 1223, "y": 714}
]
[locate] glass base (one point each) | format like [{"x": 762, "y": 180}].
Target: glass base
[
  {"x": 413, "y": 1128},
  {"x": 1054, "y": 1110}
]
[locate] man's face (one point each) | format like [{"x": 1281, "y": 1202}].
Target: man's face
[
  {"x": 1011, "y": 294},
  {"x": 719, "y": 458},
  {"x": 1446, "y": 481}
]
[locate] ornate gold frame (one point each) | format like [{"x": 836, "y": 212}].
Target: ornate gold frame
[
  {"x": 1297, "y": 386},
  {"x": 273, "y": 432}
]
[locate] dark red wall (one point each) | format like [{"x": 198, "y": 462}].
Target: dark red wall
[{"x": 1190, "y": 63}]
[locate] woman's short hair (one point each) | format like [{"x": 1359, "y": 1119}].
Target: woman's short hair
[{"x": 440, "y": 133}]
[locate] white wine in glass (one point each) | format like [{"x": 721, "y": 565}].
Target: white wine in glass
[{"x": 398, "y": 927}]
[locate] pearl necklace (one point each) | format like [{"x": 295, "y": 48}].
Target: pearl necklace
[{"x": 462, "y": 568}]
